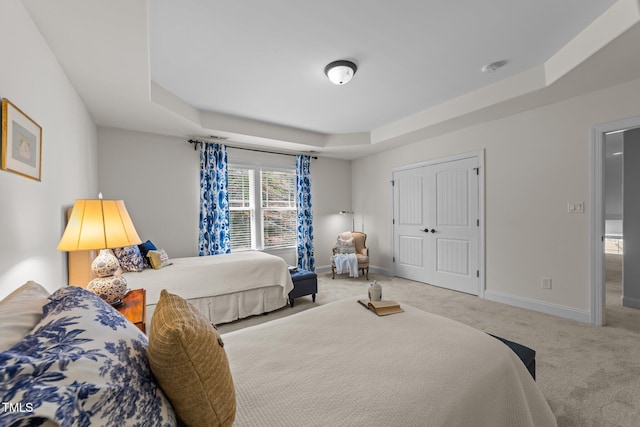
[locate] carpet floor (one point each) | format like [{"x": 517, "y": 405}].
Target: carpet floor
[{"x": 589, "y": 375}]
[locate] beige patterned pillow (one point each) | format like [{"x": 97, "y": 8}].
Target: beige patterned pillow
[
  {"x": 345, "y": 246},
  {"x": 158, "y": 259},
  {"x": 187, "y": 358}
]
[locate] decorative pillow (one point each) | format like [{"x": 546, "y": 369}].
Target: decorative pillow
[
  {"x": 144, "y": 249},
  {"x": 346, "y": 246},
  {"x": 130, "y": 258},
  {"x": 20, "y": 312},
  {"x": 83, "y": 364},
  {"x": 187, "y": 357},
  {"x": 158, "y": 259}
]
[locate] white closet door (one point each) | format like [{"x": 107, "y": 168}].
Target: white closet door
[
  {"x": 410, "y": 219},
  {"x": 436, "y": 224},
  {"x": 453, "y": 214}
]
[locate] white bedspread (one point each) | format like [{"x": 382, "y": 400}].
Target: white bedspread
[
  {"x": 199, "y": 277},
  {"x": 340, "y": 364}
]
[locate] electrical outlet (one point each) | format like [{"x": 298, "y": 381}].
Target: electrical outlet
[{"x": 545, "y": 283}]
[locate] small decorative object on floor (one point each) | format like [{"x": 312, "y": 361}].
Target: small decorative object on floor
[
  {"x": 375, "y": 291},
  {"x": 382, "y": 307}
]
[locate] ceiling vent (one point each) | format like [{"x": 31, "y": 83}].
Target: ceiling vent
[{"x": 490, "y": 68}]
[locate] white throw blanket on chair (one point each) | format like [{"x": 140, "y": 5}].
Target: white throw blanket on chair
[{"x": 346, "y": 263}]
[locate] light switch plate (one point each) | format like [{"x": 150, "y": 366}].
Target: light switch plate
[{"x": 575, "y": 207}]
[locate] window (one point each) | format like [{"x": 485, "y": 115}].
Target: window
[
  {"x": 241, "y": 207},
  {"x": 278, "y": 209},
  {"x": 268, "y": 196}
]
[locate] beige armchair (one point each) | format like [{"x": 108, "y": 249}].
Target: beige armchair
[{"x": 361, "y": 251}]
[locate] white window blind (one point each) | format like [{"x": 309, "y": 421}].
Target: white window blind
[
  {"x": 278, "y": 209},
  {"x": 262, "y": 208},
  {"x": 241, "y": 208}
]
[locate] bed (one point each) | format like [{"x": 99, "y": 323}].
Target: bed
[
  {"x": 337, "y": 364},
  {"x": 223, "y": 287},
  {"x": 340, "y": 364}
]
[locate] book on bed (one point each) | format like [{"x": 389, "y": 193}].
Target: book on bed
[{"x": 383, "y": 307}]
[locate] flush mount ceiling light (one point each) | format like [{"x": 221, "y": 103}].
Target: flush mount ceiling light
[{"x": 340, "y": 72}]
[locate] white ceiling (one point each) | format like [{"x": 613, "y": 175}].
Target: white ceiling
[
  {"x": 265, "y": 59},
  {"x": 253, "y": 70}
]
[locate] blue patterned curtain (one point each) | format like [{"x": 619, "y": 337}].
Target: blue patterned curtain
[
  {"x": 214, "y": 201},
  {"x": 306, "y": 260}
]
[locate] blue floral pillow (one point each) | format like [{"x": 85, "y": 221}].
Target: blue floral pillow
[
  {"x": 82, "y": 365},
  {"x": 130, "y": 258}
]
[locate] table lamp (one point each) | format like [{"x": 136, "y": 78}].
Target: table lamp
[{"x": 101, "y": 224}]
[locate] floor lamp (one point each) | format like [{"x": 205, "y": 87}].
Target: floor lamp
[
  {"x": 353, "y": 220},
  {"x": 101, "y": 224}
]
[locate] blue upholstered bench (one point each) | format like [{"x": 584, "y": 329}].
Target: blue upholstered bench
[
  {"x": 526, "y": 354},
  {"x": 304, "y": 283}
]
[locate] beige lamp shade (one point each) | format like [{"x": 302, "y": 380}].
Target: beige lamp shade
[{"x": 98, "y": 224}]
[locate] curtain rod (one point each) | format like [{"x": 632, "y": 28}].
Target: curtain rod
[{"x": 196, "y": 142}]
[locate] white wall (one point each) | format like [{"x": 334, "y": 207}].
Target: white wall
[
  {"x": 536, "y": 162},
  {"x": 330, "y": 194},
  {"x": 158, "y": 178},
  {"x": 31, "y": 212}
]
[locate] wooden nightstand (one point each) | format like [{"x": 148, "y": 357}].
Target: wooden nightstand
[{"x": 135, "y": 308}]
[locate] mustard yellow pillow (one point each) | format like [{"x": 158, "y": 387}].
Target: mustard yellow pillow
[{"x": 187, "y": 358}]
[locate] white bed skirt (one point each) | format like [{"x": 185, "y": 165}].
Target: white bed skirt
[{"x": 229, "y": 307}]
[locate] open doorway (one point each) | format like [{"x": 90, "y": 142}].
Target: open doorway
[
  {"x": 608, "y": 229},
  {"x": 613, "y": 222}
]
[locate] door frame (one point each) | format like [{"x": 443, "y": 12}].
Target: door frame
[
  {"x": 479, "y": 154},
  {"x": 597, "y": 217}
]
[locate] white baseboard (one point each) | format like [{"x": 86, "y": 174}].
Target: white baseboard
[
  {"x": 372, "y": 269},
  {"x": 543, "y": 307},
  {"x": 379, "y": 270},
  {"x": 527, "y": 303},
  {"x": 323, "y": 269},
  {"x": 631, "y": 302}
]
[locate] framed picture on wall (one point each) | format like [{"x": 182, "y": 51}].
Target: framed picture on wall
[{"x": 21, "y": 142}]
